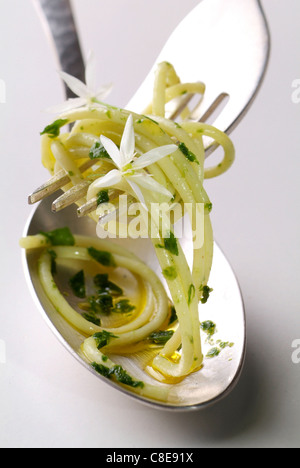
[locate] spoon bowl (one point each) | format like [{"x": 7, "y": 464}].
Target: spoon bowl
[{"x": 225, "y": 309}]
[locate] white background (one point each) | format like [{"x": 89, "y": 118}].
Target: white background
[{"x": 49, "y": 400}]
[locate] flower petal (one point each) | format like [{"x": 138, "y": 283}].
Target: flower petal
[
  {"x": 111, "y": 179},
  {"x": 153, "y": 156},
  {"x": 138, "y": 192},
  {"x": 148, "y": 183},
  {"x": 75, "y": 85},
  {"x": 112, "y": 150},
  {"x": 66, "y": 106},
  {"x": 104, "y": 91},
  {"x": 128, "y": 142},
  {"x": 90, "y": 73}
]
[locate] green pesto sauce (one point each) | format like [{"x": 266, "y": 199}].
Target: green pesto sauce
[
  {"x": 170, "y": 273},
  {"x": 60, "y": 237},
  {"x": 104, "y": 258},
  {"x": 118, "y": 373}
]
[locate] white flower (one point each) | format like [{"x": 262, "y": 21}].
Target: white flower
[
  {"x": 130, "y": 173},
  {"x": 88, "y": 94}
]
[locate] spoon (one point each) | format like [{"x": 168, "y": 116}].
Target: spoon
[{"x": 225, "y": 352}]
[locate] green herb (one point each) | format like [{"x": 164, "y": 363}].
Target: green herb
[
  {"x": 170, "y": 273},
  {"x": 214, "y": 352},
  {"x": 208, "y": 207},
  {"x": 119, "y": 373},
  {"x": 60, "y": 237},
  {"x": 225, "y": 344},
  {"x": 191, "y": 294},
  {"x": 102, "y": 370},
  {"x": 102, "y": 197},
  {"x": 209, "y": 327},
  {"x": 104, "y": 258},
  {"x": 206, "y": 290},
  {"x": 124, "y": 378},
  {"x": 151, "y": 120},
  {"x": 104, "y": 285},
  {"x": 98, "y": 151},
  {"x": 161, "y": 337},
  {"x": 104, "y": 358},
  {"x": 123, "y": 307},
  {"x": 53, "y": 256},
  {"x": 173, "y": 317},
  {"x": 170, "y": 244},
  {"x": 53, "y": 130},
  {"x": 101, "y": 304},
  {"x": 103, "y": 338},
  {"x": 188, "y": 154},
  {"x": 92, "y": 319},
  {"x": 77, "y": 283}
]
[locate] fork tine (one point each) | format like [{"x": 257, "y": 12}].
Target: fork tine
[
  {"x": 204, "y": 111},
  {"x": 48, "y": 188},
  {"x": 92, "y": 204},
  {"x": 56, "y": 182},
  {"x": 180, "y": 104},
  {"x": 71, "y": 196}
]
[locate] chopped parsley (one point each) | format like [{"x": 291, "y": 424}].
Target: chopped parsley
[
  {"x": 123, "y": 307},
  {"x": 161, "y": 337},
  {"x": 191, "y": 294},
  {"x": 170, "y": 273},
  {"x": 170, "y": 244},
  {"x": 102, "y": 197},
  {"x": 119, "y": 373},
  {"x": 53, "y": 256},
  {"x": 98, "y": 151},
  {"x": 101, "y": 304},
  {"x": 206, "y": 291},
  {"x": 104, "y": 258},
  {"x": 102, "y": 370},
  {"x": 188, "y": 154},
  {"x": 173, "y": 317},
  {"x": 77, "y": 283},
  {"x": 103, "y": 338},
  {"x": 53, "y": 130},
  {"x": 60, "y": 237},
  {"x": 214, "y": 352},
  {"x": 124, "y": 378},
  {"x": 208, "y": 207},
  {"x": 104, "y": 285},
  {"x": 92, "y": 318},
  {"x": 151, "y": 120},
  {"x": 209, "y": 328}
]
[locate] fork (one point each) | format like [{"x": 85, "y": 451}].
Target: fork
[{"x": 232, "y": 67}]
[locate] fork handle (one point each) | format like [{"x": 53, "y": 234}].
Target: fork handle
[{"x": 58, "y": 21}]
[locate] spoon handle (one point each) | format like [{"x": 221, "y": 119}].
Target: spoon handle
[{"x": 59, "y": 24}]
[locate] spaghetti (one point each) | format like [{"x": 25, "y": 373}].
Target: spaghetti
[{"x": 105, "y": 134}]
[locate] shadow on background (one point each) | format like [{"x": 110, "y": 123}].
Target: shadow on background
[{"x": 240, "y": 412}]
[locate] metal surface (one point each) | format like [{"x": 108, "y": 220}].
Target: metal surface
[
  {"x": 233, "y": 63},
  {"x": 226, "y": 45},
  {"x": 59, "y": 24},
  {"x": 225, "y": 308}
]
